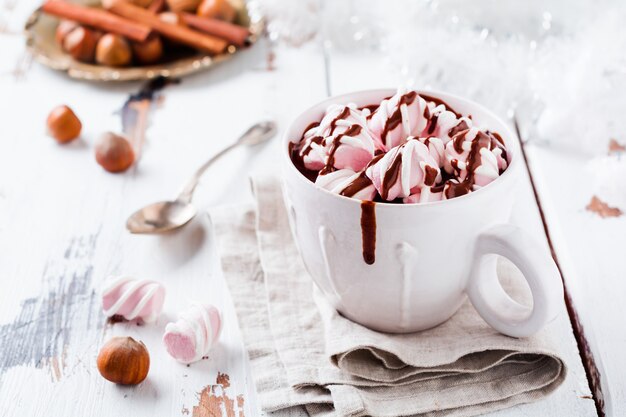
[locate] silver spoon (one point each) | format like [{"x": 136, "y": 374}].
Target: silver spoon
[{"x": 168, "y": 215}]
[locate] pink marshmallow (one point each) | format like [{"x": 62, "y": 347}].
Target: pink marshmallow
[
  {"x": 397, "y": 118},
  {"x": 191, "y": 337},
  {"x": 133, "y": 299},
  {"x": 487, "y": 164},
  {"x": 341, "y": 140},
  {"x": 404, "y": 170},
  {"x": 444, "y": 124}
]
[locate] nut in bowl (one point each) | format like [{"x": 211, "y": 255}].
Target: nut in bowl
[
  {"x": 72, "y": 37},
  {"x": 399, "y": 204}
]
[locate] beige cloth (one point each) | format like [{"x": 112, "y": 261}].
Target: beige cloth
[{"x": 303, "y": 353}]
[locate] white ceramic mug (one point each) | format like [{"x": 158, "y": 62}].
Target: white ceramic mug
[{"x": 428, "y": 256}]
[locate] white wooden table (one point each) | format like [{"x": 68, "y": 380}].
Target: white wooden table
[{"x": 62, "y": 233}]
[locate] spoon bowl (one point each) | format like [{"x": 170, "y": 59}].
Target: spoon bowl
[{"x": 161, "y": 217}]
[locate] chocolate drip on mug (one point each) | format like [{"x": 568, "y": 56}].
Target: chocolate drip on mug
[{"x": 368, "y": 231}]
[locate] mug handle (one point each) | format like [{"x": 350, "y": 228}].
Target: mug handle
[{"x": 494, "y": 305}]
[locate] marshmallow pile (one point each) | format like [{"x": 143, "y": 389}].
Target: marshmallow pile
[{"x": 409, "y": 149}]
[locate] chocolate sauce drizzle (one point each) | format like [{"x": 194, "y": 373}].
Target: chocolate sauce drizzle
[
  {"x": 344, "y": 113},
  {"x": 368, "y": 231},
  {"x": 438, "y": 102},
  {"x": 391, "y": 174},
  {"x": 298, "y": 161},
  {"x": 433, "y": 123},
  {"x": 353, "y": 130},
  {"x": 430, "y": 175},
  {"x": 310, "y": 126},
  {"x": 362, "y": 181},
  {"x": 396, "y": 118},
  {"x": 359, "y": 183},
  {"x": 461, "y": 126},
  {"x": 474, "y": 160}
]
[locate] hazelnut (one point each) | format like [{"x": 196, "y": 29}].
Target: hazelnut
[
  {"x": 113, "y": 50},
  {"x": 217, "y": 9},
  {"x": 65, "y": 27},
  {"x": 80, "y": 43},
  {"x": 124, "y": 361},
  {"x": 63, "y": 124},
  {"x": 114, "y": 153},
  {"x": 149, "y": 51}
]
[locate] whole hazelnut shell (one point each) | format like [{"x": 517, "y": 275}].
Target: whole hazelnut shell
[
  {"x": 80, "y": 43},
  {"x": 124, "y": 361},
  {"x": 217, "y": 9},
  {"x": 149, "y": 51},
  {"x": 114, "y": 153},
  {"x": 65, "y": 27},
  {"x": 113, "y": 50},
  {"x": 63, "y": 124}
]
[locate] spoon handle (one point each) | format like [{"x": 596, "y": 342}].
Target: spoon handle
[
  {"x": 255, "y": 135},
  {"x": 187, "y": 193}
]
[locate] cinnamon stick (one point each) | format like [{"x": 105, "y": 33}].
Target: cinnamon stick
[
  {"x": 177, "y": 33},
  {"x": 235, "y": 34},
  {"x": 156, "y": 6},
  {"x": 99, "y": 19}
]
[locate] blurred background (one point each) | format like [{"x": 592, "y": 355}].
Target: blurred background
[{"x": 545, "y": 60}]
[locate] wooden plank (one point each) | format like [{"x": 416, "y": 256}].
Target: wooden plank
[
  {"x": 62, "y": 233},
  {"x": 589, "y": 249},
  {"x": 359, "y": 72}
]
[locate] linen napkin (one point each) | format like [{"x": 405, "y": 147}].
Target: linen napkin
[{"x": 304, "y": 354}]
